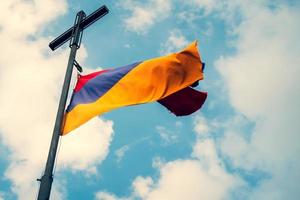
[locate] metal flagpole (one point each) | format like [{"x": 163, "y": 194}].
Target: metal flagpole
[
  {"x": 47, "y": 178},
  {"x": 75, "y": 35}
]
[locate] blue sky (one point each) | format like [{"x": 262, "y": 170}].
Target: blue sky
[{"x": 243, "y": 144}]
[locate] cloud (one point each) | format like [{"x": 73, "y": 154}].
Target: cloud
[
  {"x": 1, "y": 196},
  {"x": 260, "y": 78},
  {"x": 201, "y": 125},
  {"x": 189, "y": 16},
  {"x": 231, "y": 11},
  {"x": 190, "y": 179},
  {"x": 235, "y": 145},
  {"x": 202, "y": 176},
  {"x": 207, "y": 5},
  {"x": 194, "y": 182},
  {"x": 258, "y": 85},
  {"x": 93, "y": 139},
  {"x": 263, "y": 94},
  {"x": 175, "y": 42},
  {"x": 30, "y": 84},
  {"x": 105, "y": 196},
  {"x": 23, "y": 20},
  {"x": 142, "y": 186},
  {"x": 168, "y": 137},
  {"x": 121, "y": 152},
  {"x": 262, "y": 82},
  {"x": 145, "y": 15},
  {"x": 158, "y": 162}
]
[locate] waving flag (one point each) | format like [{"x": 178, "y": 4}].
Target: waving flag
[{"x": 165, "y": 79}]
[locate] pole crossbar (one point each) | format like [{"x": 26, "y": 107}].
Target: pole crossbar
[
  {"x": 73, "y": 34},
  {"x": 89, "y": 20}
]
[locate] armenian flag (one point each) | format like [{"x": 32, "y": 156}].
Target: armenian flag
[{"x": 165, "y": 79}]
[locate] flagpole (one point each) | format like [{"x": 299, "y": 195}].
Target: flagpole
[{"x": 47, "y": 178}]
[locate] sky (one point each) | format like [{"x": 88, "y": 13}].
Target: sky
[{"x": 243, "y": 143}]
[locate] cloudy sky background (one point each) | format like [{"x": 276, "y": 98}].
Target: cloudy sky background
[{"x": 244, "y": 143}]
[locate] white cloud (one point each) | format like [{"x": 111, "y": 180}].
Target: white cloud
[
  {"x": 142, "y": 186},
  {"x": 108, "y": 196},
  {"x": 145, "y": 15},
  {"x": 231, "y": 11},
  {"x": 235, "y": 145},
  {"x": 188, "y": 179},
  {"x": 209, "y": 30},
  {"x": 105, "y": 196},
  {"x": 261, "y": 79},
  {"x": 168, "y": 137},
  {"x": 262, "y": 76},
  {"x": 93, "y": 139},
  {"x": 175, "y": 42},
  {"x": 205, "y": 128},
  {"x": 178, "y": 124},
  {"x": 1, "y": 196},
  {"x": 189, "y": 16},
  {"x": 19, "y": 19},
  {"x": 121, "y": 152},
  {"x": 30, "y": 85},
  {"x": 206, "y": 151},
  {"x": 201, "y": 126},
  {"x": 202, "y": 177},
  {"x": 157, "y": 162},
  {"x": 207, "y": 5},
  {"x": 263, "y": 84}
]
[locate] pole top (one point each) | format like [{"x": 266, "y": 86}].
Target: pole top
[
  {"x": 89, "y": 20},
  {"x": 76, "y": 35}
]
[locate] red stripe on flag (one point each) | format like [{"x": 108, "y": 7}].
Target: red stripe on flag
[{"x": 83, "y": 79}]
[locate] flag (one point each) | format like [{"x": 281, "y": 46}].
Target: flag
[{"x": 165, "y": 79}]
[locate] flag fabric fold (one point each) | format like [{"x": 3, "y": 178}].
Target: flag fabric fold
[
  {"x": 184, "y": 102},
  {"x": 165, "y": 79}
]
